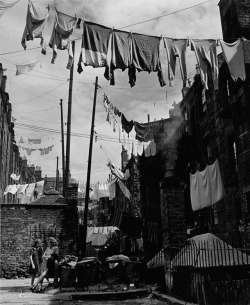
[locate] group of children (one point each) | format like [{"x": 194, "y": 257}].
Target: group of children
[{"x": 43, "y": 265}]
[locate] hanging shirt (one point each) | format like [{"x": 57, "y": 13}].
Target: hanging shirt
[
  {"x": 176, "y": 48},
  {"x": 118, "y": 54},
  {"x": 95, "y": 42},
  {"x": 60, "y": 37},
  {"x": 36, "y": 19},
  {"x": 145, "y": 55},
  {"x": 206, "y": 187},
  {"x": 235, "y": 58},
  {"x": 206, "y": 55},
  {"x": 145, "y": 52}
]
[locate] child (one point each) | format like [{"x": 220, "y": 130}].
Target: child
[{"x": 35, "y": 261}]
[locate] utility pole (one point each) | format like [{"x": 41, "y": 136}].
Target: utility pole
[
  {"x": 85, "y": 221},
  {"x": 63, "y": 157},
  {"x": 69, "y": 125},
  {"x": 57, "y": 174}
]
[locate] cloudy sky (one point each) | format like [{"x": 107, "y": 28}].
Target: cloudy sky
[{"x": 35, "y": 96}]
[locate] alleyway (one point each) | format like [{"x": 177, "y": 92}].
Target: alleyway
[{"x": 16, "y": 291}]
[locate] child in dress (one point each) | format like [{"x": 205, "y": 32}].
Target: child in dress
[{"x": 35, "y": 261}]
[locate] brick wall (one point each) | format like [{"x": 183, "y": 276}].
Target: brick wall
[{"x": 21, "y": 224}]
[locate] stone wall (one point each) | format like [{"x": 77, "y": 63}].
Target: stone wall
[{"x": 21, "y": 224}]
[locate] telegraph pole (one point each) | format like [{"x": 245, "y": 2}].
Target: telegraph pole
[
  {"x": 57, "y": 174},
  {"x": 85, "y": 221},
  {"x": 63, "y": 157},
  {"x": 69, "y": 125}
]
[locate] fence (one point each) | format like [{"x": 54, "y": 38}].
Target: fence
[{"x": 210, "y": 272}]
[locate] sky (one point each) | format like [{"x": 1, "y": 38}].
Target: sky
[{"x": 35, "y": 95}]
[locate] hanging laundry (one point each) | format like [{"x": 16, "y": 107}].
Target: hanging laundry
[
  {"x": 145, "y": 53},
  {"x": 7, "y": 189},
  {"x": 60, "y": 37},
  {"x": 39, "y": 187},
  {"x": 120, "y": 53},
  {"x": 15, "y": 177},
  {"x": 22, "y": 189},
  {"x": 36, "y": 19},
  {"x": 126, "y": 125},
  {"x": 115, "y": 170},
  {"x": 141, "y": 130},
  {"x": 139, "y": 148},
  {"x": 176, "y": 48},
  {"x": 206, "y": 187},
  {"x": 112, "y": 189},
  {"x": 206, "y": 56},
  {"x": 5, "y": 5},
  {"x": 132, "y": 75},
  {"x": 22, "y": 69},
  {"x": 34, "y": 141},
  {"x": 124, "y": 189},
  {"x": 29, "y": 195},
  {"x": 234, "y": 56},
  {"x": 14, "y": 189},
  {"x": 246, "y": 49},
  {"x": 95, "y": 41},
  {"x": 146, "y": 147}
]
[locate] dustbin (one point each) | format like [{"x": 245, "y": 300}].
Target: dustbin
[
  {"x": 68, "y": 277},
  {"x": 86, "y": 271}
]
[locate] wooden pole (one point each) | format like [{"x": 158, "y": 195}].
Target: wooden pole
[
  {"x": 69, "y": 125},
  {"x": 63, "y": 157},
  {"x": 85, "y": 215},
  {"x": 57, "y": 174}
]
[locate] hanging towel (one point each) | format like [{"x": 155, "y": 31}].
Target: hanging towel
[
  {"x": 235, "y": 58},
  {"x": 36, "y": 19},
  {"x": 139, "y": 148},
  {"x": 206, "y": 56},
  {"x": 22, "y": 69},
  {"x": 206, "y": 187},
  {"x": 60, "y": 37},
  {"x": 217, "y": 188},
  {"x": 5, "y": 5},
  {"x": 95, "y": 41},
  {"x": 176, "y": 48}
]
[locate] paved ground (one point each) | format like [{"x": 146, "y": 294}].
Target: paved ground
[{"x": 17, "y": 292}]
